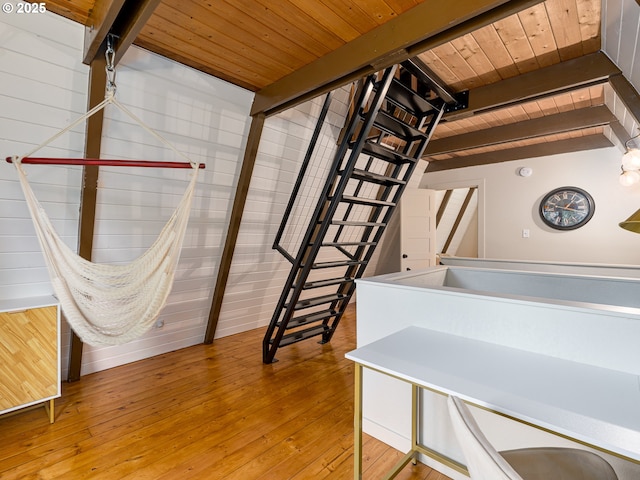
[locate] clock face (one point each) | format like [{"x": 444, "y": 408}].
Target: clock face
[{"x": 566, "y": 208}]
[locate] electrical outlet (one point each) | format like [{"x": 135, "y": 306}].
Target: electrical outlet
[{"x": 525, "y": 233}]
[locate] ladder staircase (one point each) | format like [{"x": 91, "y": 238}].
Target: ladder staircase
[{"x": 381, "y": 144}]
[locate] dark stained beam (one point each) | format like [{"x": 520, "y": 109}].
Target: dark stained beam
[
  {"x": 628, "y": 94},
  {"x": 536, "y": 127},
  {"x": 125, "y": 19},
  {"x": 122, "y": 18},
  {"x": 589, "y": 142},
  {"x": 130, "y": 22},
  {"x": 242, "y": 190},
  {"x": 93, "y": 144},
  {"x": 99, "y": 23},
  {"x": 422, "y": 71},
  {"x": 443, "y": 206},
  {"x": 591, "y": 69},
  {"x": 620, "y": 132},
  {"x": 456, "y": 223},
  {"x": 425, "y": 26}
]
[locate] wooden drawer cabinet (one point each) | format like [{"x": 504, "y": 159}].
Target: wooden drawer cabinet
[{"x": 29, "y": 353}]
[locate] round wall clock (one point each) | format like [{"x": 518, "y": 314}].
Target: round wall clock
[{"x": 566, "y": 208}]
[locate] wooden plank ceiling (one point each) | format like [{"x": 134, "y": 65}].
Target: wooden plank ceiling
[
  {"x": 540, "y": 36},
  {"x": 261, "y": 45}
]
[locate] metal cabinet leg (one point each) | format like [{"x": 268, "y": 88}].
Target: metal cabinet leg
[{"x": 357, "y": 424}]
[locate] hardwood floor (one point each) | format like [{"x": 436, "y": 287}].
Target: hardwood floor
[{"x": 205, "y": 412}]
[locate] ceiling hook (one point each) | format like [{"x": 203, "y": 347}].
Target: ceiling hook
[{"x": 110, "y": 56}]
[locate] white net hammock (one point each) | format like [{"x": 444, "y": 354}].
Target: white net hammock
[{"x": 111, "y": 304}]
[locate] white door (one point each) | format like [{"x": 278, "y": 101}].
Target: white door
[{"x": 417, "y": 229}]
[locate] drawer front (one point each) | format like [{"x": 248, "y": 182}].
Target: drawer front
[{"x": 28, "y": 357}]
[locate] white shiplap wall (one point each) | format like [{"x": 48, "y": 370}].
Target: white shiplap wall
[
  {"x": 206, "y": 119},
  {"x": 258, "y": 273},
  {"x": 203, "y": 117},
  {"x": 42, "y": 88},
  {"x": 620, "y": 38}
]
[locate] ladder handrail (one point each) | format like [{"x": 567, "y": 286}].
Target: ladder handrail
[
  {"x": 301, "y": 174},
  {"x": 351, "y": 127}
]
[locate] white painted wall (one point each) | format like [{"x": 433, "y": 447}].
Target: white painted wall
[
  {"x": 201, "y": 116},
  {"x": 205, "y": 118},
  {"x": 258, "y": 272},
  {"x": 42, "y": 88},
  {"x": 512, "y": 201},
  {"x": 620, "y": 37},
  {"x": 510, "y": 204},
  {"x": 44, "y": 85},
  {"x": 450, "y": 217}
]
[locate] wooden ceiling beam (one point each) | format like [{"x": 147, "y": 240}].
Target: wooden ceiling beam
[
  {"x": 627, "y": 94},
  {"x": 240, "y": 199},
  {"x": 443, "y": 206},
  {"x": 620, "y": 132},
  {"x": 458, "y": 220},
  {"x": 589, "y": 142},
  {"x": 537, "y": 127},
  {"x": 132, "y": 18},
  {"x": 425, "y": 26},
  {"x": 122, "y": 18},
  {"x": 101, "y": 19},
  {"x": 580, "y": 72},
  {"x": 89, "y": 192}
]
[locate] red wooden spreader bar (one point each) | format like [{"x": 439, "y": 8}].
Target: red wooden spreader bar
[{"x": 104, "y": 162}]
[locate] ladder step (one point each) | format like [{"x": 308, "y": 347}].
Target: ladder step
[
  {"x": 327, "y": 297},
  {"x": 385, "y": 153},
  {"x": 315, "y": 301},
  {"x": 367, "y": 201},
  {"x": 348, "y": 244},
  {"x": 339, "y": 263},
  {"x": 348, "y": 223},
  {"x": 303, "y": 335},
  {"x": 326, "y": 283},
  {"x": 375, "y": 178},
  {"x": 405, "y": 98},
  {"x": 395, "y": 126},
  {"x": 302, "y": 320}
]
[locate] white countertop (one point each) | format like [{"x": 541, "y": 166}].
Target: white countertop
[{"x": 593, "y": 404}]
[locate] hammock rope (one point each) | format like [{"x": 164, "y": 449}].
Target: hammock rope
[{"x": 111, "y": 304}]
